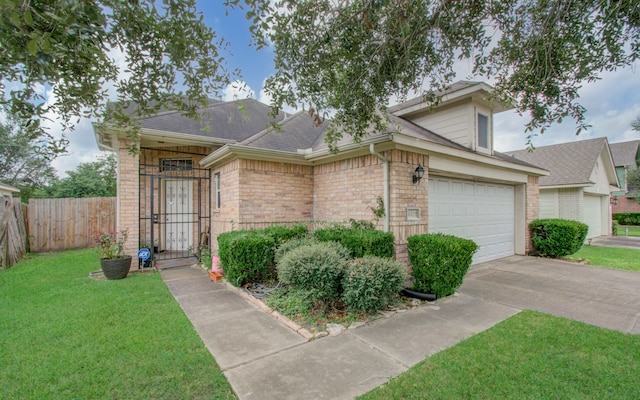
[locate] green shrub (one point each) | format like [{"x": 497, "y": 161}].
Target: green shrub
[
  {"x": 615, "y": 228},
  {"x": 360, "y": 242},
  {"x": 250, "y": 258},
  {"x": 557, "y": 237},
  {"x": 370, "y": 283},
  {"x": 290, "y": 301},
  {"x": 247, "y": 256},
  {"x": 224, "y": 243},
  {"x": 284, "y": 233},
  {"x": 286, "y": 247},
  {"x": 316, "y": 268},
  {"x": 627, "y": 218},
  {"x": 439, "y": 262}
]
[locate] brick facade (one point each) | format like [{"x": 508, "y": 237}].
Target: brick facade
[
  {"x": 256, "y": 194},
  {"x": 625, "y": 205},
  {"x": 128, "y": 196},
  {"x": 406, "y": 194},
  {"x": 532, "y": 205}
]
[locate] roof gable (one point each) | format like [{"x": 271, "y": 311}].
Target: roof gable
[
  {"x": 570, "y": 163},
  {"x": 625, "y": 153}
]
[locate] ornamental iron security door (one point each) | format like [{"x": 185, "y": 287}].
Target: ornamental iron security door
[{"x": 175, "y": 203}]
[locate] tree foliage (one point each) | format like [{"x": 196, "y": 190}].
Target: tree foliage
[
  {"x": 90, "y": 179},
  {"x": 69, "y": 47},
  {"x": 23, "y": 162},
  {"x": 348, "y": 58}
]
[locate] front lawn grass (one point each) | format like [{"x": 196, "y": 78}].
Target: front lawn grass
[
  {"x": 609, "y": 257},
  {"x": 633, "y": 230},
  {"x": 529, "y": 356},
  {"x": 64, "y": 335}
]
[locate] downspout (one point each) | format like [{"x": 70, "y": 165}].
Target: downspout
[{"x": 385, "y": 193}]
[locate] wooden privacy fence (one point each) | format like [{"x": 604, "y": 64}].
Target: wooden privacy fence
[
  {"x": 62, "y": 224},
  {"x": 13, "y": 235}
]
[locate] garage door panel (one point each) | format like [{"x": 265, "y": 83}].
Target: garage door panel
[
  {"x": 482, "y": 212},
  {"x": 593, "y": 215}
]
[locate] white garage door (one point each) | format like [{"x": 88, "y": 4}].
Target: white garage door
[
  {"x": 482, "y": 212},
  {"x": 593, "y": 215}
]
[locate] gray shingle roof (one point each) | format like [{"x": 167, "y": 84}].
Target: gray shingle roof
[
  {"x": 568, "y": 163},
  {"x": 297, "y": 132},
  {"x": 624, "y": 153},
  {"x": 234, "y": 120}
]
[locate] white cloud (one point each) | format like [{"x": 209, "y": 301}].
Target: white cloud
[
  {"x": 611, "y": 102},
  {"x": 238, "y": 90}
]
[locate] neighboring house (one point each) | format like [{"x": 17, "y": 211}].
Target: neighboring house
[
  {"x": 188, "y": 184},
  {"x": 626, "y": 157},
  {"x": 581, "y": 179},
  {"x": 7, "y": 190}
]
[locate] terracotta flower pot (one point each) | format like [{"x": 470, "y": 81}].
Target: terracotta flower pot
[{"x": 116, "y": 269}]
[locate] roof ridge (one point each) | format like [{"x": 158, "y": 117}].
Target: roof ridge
[{"x": 267, "y": 130}]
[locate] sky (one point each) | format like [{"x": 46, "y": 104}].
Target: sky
[{"x": 611, "y": 103}]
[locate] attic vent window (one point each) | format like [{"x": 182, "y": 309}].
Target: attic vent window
[
  {"x": 483, "y": 131},
  {"x": 176, "y": 164}
]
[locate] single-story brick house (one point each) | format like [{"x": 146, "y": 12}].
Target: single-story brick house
[
  {"x": 189, "y": 184},
  {"x": 580, "y": 181},
  {"x": 626, "y": 157}
]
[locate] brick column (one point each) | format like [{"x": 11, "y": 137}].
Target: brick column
[
  {"x": 128, "y": 203},
  {"x": 532, "y": 202}
]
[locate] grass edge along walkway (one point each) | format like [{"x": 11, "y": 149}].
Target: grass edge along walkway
[
  {"x": 528, "y": 356},
  {"x": 65, "y": 335}
]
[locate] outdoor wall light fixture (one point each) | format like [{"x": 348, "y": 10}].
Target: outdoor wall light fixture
[
  {"x": 418, "y": 174},
  {"x": 613, "y": 200}
]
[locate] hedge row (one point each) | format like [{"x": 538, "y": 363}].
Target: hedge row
[
  {"x": 627, "y": 218},
  {"x": 247, "y": 256},
  {"x": 360, "y": 242},
  {"x": 556, "y": 237}
]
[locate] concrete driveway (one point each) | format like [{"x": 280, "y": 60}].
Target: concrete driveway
[{"x": 598, "y": 296}]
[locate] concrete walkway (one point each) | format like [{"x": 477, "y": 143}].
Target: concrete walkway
[{"x": 264, "y": 359}]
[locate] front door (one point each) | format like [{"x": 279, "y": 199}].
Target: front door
[{"x": 179, "y": 218}]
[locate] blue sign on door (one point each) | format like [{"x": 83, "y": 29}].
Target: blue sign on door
[{"x": 144, "y": 254}]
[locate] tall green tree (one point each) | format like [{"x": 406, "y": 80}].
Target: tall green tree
[
  {"x": 171, "y": 59},
  {"x": 348, "y": 58},
  {"x": 24, "y": 163},
  {"x": 91, "y": 179}
]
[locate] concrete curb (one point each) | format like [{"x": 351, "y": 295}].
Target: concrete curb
[{"x": 281, "y": 318}]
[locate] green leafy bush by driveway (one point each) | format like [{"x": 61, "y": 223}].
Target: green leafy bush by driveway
[
  {"x": 439, "y": 262},
  {"x": 556, "y": 237},
  {"x": 370, "y": 283}
]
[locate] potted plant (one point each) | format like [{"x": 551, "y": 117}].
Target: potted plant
[{"x": 114, "y": 261}]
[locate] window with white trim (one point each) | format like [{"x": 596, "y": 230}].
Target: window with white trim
[
  {"x": 217, "y": 189},
  {"x": 483, "y": 131}
]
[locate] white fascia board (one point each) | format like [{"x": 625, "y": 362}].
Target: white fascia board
[
  {"x": 182, "y": 138},
  {"x": 347, "y": 150},
  {"x": 449, "y": 97},
  {"x": 466, "y": 155},
  {"x": 179, "y": 138},
  {"x": 230, "y": 152},
  {"x": 9, "y": 188},
  {"x": 567, "y": 186}
]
